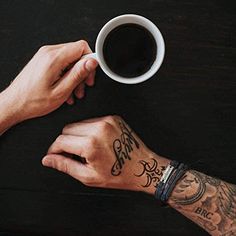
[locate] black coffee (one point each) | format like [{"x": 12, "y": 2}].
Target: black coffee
[{"x": 129, "y": 50}]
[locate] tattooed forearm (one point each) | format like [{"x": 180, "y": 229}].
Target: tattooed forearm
[
  {"x": 208, "y": 201},
  {"x": 123, "y": 146},
  {"x": 152, "y": 171}
]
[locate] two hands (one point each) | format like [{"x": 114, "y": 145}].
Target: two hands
[
  {"x": 111, "y": 154},
  {"x": 114, "y": 156}
]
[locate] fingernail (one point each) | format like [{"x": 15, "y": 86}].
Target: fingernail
[
  {"x": 80, "y": 94},
  {"x": 70, "y": 101},
  {"x": 90, "y": 82},
  {"x": 91, "y": 64},
  {"x": 47, "y": 161}
]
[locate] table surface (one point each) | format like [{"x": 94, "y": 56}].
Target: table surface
[{"x": 185, "y": 112}]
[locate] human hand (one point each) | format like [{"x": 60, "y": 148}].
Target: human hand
[
  {"x": 50, "y": 78},
  {"x": 115, "y": 156}
]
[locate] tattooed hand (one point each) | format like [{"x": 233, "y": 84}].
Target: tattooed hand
[{"x": 113, "y": 156}]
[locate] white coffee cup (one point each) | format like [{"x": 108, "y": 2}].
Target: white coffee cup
[{"x": 127, "y": 19}]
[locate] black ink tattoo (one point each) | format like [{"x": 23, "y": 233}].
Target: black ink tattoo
[
  {"x": 122, "y": 147},
  {"x": 212, "y": 197},
  {"x": 152, "y": 171},
  {"x": 227, "y": 199},
  {"x": 204, "y": 213},
  {"x": 193, "y": 183}
]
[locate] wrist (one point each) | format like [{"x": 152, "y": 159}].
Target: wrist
[
  {"x": 10, "y": 108},
  {"x": 149, "y": 172}
]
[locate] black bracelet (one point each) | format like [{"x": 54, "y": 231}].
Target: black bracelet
[
  {"x": 172, "y": 182},
  {"x": 166, "y": 175},
  {"x": 177, "y": 178},
  {"x": 171, "y": 175}
]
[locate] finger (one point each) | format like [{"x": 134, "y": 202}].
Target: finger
[
  {"x": 91, "y": 126},
  {"x": 91, "y": 79},
  {"x": 68, "y": 166},
  {"x": 70, "y": 144},
  {"x": 79, "y": 129},
  {"x": 79, "y": 91},
  {"x": 85, "y": 127},
  {"x": 73, "y": 51},
  {"x": 70, "y": 100},
  {"x": 76, "y": 75},
  {"x": 109, "y": 119}
]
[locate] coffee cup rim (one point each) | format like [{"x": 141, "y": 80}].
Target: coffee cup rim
[{"x": 130, "y": 18}]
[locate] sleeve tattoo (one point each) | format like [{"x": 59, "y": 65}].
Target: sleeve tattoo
[{"x": 209, "y": 202}]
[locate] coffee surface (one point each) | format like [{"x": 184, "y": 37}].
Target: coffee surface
[{"x": 129, "y": 50}]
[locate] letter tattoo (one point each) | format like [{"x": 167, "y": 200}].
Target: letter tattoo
[
  {"x": 208, "y": 201},
  {"x": 122, "y": 148},
  {"x": 204, "y": 213}
]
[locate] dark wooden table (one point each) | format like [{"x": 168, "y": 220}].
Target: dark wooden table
[{"x": 185, "y": 112}]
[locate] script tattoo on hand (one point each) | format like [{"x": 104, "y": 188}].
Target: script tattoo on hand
[
  {"x": 208, "y": 201},
  {"x": 122, "y": 147},
  {"x": 152, "y": 171}
]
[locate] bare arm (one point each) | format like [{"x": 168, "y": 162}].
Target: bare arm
[
  {"x": 50, "y": 78},
  {"x": 9, "y": 110},
  {"x": 117, "y": 158}
]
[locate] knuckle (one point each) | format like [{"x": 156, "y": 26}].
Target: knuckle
[
  {"x": 48, "y": 54},
  {"x": 63, "y": 167},
  {"x": 44, "y": 48},
  {"x": 112, "y": 118},
  {"x": 83, "y": 43},
  {"x": 66, "y": 128},
  {"x": 60, "y": 138},
  {"x": 58, "y": 94},
  {"x": 80, "y": 71},
  {"x": 103, "y": 126},
  {"x": 116, "y": 117}
]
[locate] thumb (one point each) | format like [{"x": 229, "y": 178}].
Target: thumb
[
  {"x": 77, "y": 74},
  {"x": 66, "y": 165}
]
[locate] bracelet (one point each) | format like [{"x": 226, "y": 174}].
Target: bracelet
[
  {"x": 178, "y": 176},
  {"x": 172, "y": 182},
  {"x": 170, "y": 177},
  {"x": 166, "y": 174}
]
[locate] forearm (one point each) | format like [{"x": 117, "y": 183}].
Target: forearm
[
  {"x": 126, "y": 163},
  {"x": 207, "y": 201},
  {"x": 10, "y": 111}
]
